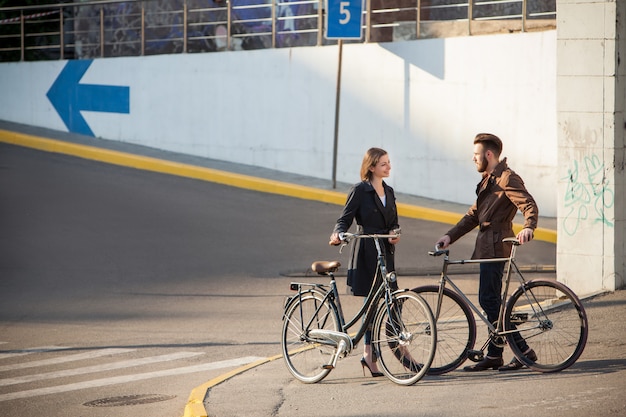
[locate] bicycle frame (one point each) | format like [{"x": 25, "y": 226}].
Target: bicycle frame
[
  {"x": 367, "y": 310},
  {"x": 446, "y": 280},
  {"x": 542, "y": 320}
]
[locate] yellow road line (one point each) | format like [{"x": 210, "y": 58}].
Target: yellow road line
[
  {"x": 227, "y": 178},
  {"x": 195, "y": 403}
]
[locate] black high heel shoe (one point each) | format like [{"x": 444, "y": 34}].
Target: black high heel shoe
[{"x": 365, "y": 365}]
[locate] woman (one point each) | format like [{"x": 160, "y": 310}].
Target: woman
[{"x": 373, "y": 204}]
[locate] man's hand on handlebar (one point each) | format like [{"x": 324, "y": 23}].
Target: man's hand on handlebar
[
  {"x": 334, "y": 239},
  {"x": 443, "y": 242},
  {"x": 525, "y": 235}
]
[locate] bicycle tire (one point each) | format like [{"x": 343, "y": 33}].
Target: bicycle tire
[
  {"x": 552, "y": 320},
  {"x": 305, "y": 359},
  {"x": 405, "y": 338},
  {"x": 456, "y": 328}
]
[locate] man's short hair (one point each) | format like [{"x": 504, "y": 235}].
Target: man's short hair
[{"x": 490, "y": 142}]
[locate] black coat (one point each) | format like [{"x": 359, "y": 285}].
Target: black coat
[{"x": 371, "y": 216}]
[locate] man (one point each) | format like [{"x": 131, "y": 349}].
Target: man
[{"x": 500, "y": 193}]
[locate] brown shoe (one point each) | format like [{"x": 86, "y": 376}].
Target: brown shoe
[
  {"x": 514, "y": 365},
  {"x": 485, "y": 364}
]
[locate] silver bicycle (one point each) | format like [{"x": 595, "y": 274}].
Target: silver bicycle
[{"x": 546, "y": 314}]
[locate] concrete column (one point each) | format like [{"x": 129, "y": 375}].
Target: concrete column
[{"x": 591, "y": 102}]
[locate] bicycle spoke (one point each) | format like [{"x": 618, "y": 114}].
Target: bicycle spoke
[
  {"x": 305, "y": 359},
  {"x": 405, "y": 338},
  {"x": 547, "y": 317},
  {"x": 456, "y": 328}
]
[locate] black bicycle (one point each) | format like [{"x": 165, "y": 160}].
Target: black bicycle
[{"x": 315, "y": 333}]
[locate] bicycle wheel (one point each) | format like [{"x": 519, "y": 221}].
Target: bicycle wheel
[
  {"x": 456, "y": 328},
  {"x": 552, "y": 321},
  {"x": 305, "y": 359},
  {"x": 405, "y": 338}
]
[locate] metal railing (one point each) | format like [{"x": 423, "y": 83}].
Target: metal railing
[{"x": 111, "y": 28}]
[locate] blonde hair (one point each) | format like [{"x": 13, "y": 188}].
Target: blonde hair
[{"x": 371, "y": 158}]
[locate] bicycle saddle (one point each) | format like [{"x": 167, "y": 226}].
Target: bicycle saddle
[{"x": 324, "y": 267}]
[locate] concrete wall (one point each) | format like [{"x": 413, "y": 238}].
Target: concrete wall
[
  {"x": 422, "y": 100},
  {"x": 591, "y": 251}
]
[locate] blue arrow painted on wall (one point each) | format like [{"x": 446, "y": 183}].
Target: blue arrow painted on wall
[{"x": 69, "y": 97}]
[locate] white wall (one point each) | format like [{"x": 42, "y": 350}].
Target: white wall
[{"x": 422, "y": 100}]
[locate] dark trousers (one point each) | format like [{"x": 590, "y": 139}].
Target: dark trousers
[
  {"x": 489, "y": 293},
  {"x": 489, "y": 298}
]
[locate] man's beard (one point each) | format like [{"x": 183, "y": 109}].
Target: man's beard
[{"x": 483, "y": 166}]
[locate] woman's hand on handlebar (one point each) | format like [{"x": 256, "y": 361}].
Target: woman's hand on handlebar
[
  {"x": 394, "y": 240},
  {"x": 334, "y": 239}
]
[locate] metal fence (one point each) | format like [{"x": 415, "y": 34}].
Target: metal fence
[{"x": 112, "y": 28}]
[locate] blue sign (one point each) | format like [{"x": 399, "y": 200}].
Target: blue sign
[
  {"x": 69, "y": 97},
  {"x": 344, "y": 19}
]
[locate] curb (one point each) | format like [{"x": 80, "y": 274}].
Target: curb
[{"x": 195, "y": 403}]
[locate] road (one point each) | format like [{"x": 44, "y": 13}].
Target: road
[
  {"x": 124, "y": 288},
  {"x": 129, "y": 266}
]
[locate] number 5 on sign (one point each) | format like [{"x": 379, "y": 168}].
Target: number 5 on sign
[{"x": 344, "y": 19}]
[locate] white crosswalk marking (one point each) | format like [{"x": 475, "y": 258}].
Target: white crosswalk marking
[
  {"x": 63, "y": 359},
  {"x": 98, "y": 368},
  {"x": 107, "y": 366},
  {"x": 30, "y": 351},
  {"x": 128, "y": 378}
]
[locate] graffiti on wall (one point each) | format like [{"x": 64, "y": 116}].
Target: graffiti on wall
[{"x": 588, "y": 195}]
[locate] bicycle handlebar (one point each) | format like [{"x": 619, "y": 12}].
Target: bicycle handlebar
[
  {"x": 346, "y": 237},
  {"x": 438, "y": 251}
]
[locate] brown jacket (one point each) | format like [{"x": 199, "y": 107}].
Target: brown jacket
[{"x": 500, "y": 195}]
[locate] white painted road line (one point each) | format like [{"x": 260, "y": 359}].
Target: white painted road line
[
  {"x": 129, "y": 378},
  {"x": 67, "y": 358},
  {"x": 23, "y": 352},
  {"x": 98, "y": 368}
]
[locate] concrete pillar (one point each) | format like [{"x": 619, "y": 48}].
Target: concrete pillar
[{"x": 591, "y": 103}]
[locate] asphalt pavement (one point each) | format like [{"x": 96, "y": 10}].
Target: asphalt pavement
[{"x": 593, "y": 386}]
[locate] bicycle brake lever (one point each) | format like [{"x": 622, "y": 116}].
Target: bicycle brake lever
[{"x": 342, "y": 246}]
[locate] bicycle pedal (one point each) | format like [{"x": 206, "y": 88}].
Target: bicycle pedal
[
  {"x": 475, "y": 355},
  {"x": 499, "y": 341},
  {"x": 519, "y": 318}
]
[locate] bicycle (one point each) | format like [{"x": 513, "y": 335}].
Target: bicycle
[
  {"x": 315, "y": 332},
  {"x": 547, "y": 314}
]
